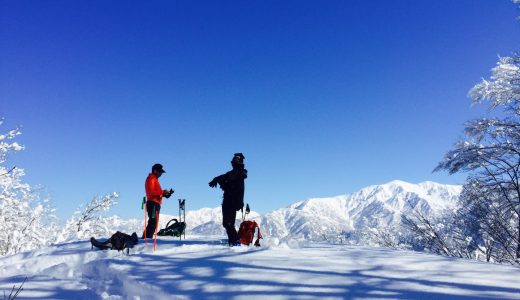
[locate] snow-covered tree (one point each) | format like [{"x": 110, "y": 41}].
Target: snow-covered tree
[
  {"x": 88, "y": 221},
  {"x": 26, "y": 220},
  {"x": 490, "y": 151}
]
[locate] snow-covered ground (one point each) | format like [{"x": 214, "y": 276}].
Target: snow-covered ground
[{"x": 204, "y": 268}]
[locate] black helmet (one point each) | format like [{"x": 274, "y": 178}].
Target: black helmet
[{"x": 238, "y": 159}]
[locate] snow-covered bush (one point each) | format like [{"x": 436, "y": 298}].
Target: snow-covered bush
[{"x": 88, "y": 221}]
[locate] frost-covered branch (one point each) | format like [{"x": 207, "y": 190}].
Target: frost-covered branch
[
  {"x": 427, "y": 233},
  {"x": 503, "y": 90},
  {"x": 7, "y": 173},
  {"x": 95, "y": 206},
  {"x": 88, "y": 221},
  {"x": 5, "y": 145}
]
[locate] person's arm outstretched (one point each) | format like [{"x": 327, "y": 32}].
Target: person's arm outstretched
[{"x": 217, "y": 180}]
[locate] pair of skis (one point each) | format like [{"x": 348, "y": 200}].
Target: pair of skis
[{"x": 182, "y": 212}]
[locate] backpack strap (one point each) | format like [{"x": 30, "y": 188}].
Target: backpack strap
[
  {"x": 258, "y": 236},
  {"x": 168, "y": 224}
]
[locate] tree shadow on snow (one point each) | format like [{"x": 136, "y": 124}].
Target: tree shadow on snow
[
  {"x": 38, "y": 287},
  {"x": 225, "y": 276},
  {"x": 217, "y": 278}
]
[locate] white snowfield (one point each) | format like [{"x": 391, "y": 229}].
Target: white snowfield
[{"x": 203, "y": 268}]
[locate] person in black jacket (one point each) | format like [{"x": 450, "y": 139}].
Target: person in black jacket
[{"x": 232, "y": 183}]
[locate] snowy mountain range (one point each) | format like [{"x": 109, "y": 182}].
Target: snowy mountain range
[
  {"x": 350, "y": 216},
  {"x": 376, "y": 207}
]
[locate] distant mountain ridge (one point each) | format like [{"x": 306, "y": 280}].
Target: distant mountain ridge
[{"x": 373, "y": 207}]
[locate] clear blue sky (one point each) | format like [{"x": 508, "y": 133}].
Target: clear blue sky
[{"x": 322, "y": 97}]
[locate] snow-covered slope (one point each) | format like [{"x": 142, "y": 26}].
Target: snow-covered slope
[{"x": 204, "y": 269}]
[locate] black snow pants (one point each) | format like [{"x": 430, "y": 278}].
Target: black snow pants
[
  {"x": 229, "y": 215},
  {"x": 153, "y": 210}
]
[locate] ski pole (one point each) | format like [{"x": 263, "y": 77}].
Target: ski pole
[
  {"x": 145, "y": 216},
  {"x": 180, "y": 216},
  {"x": 184, "y": 217}
]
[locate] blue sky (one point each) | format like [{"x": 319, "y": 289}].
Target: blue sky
[{"x": 323, "y": 98}]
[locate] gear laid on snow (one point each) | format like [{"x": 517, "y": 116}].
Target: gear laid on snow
[
  {"x": 176, "y": 229},
  {"x": 118, "y": 241},
  {"x": 246, "y": 233}
]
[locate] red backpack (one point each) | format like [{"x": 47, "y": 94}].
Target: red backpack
[{"x": 246, "y": 233}]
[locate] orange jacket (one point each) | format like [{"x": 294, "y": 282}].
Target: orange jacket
[{"x": 153, "y": 189}]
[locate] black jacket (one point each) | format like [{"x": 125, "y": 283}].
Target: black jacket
[{"x": 232, "y": 183}]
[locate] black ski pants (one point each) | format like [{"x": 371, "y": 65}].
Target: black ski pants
[
  {"x": 229, "y": 215},
  {"x": 153, "y": 210}
]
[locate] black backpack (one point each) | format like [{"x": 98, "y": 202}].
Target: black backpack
[
  {"x": 176, "y": 229},
  {"x": 118, "y": 241}
]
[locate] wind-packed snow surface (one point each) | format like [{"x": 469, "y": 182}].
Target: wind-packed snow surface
[{"x": 203, "y": 268}]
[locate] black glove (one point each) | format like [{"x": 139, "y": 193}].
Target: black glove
[
  {"x": 168, "y": 194},
  {"x": 213, "y": 183}
]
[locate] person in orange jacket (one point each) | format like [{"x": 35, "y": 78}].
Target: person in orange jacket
[{"x": 154, "y": 195}]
